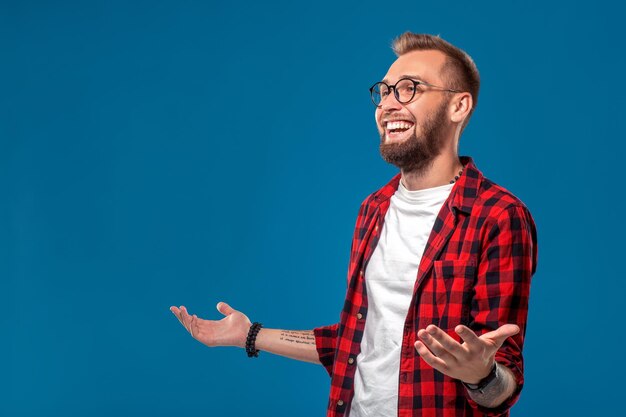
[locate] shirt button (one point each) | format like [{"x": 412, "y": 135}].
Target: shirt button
[
  {"x": 359, "y": 316},
  {"x": 350, "y": 361},
  {"x": 339, "y": 403}
]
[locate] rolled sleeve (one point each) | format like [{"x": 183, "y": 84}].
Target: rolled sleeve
[{"x": 326, "y": 343}]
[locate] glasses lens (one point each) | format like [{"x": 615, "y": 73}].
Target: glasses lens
[
  {"x": 405, "y": 90},
  {"x": 379, "y": 92}
]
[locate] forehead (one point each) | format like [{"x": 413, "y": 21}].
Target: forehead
[{"x": 425, "y": 64}]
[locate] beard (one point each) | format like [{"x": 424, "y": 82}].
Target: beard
[{"x": 415, "y": 154}]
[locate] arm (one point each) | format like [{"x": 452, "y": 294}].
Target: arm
[
  {"x": 294, "y": 344},
  {"x": 232, "y": 330},
  {"x": 500, "y": 302}
]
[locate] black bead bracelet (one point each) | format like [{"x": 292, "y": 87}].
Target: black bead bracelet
[{"x": 251, "y": 340}]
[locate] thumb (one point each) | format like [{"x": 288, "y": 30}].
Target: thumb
[
  {"x": 224, "y": 308},
  {"x": 502, "y": 333}
]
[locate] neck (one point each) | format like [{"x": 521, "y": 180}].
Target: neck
[{"x": 439, "y": 172}]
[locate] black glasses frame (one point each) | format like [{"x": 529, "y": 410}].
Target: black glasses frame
[{"x": 395, "y": 90}]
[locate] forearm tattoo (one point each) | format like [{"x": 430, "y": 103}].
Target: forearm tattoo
[
  {"x": 498, "y": 390},
  {"x": 299, "y": 337}
]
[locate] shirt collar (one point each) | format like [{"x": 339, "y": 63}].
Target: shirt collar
[{"x": 461, "y": 197}]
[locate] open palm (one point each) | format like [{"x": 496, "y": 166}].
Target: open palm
[{"x": 232, "y": 330}]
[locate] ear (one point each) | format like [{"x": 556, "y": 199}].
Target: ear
[{"x": 460, "y": 107}]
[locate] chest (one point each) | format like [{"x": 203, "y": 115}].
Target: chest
[{"x": 430, "y": 263}]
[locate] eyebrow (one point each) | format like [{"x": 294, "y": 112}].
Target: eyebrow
[{"x": 413, "y": 77}]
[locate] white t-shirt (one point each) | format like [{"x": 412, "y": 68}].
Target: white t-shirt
[{"x": 389, "y": 278}]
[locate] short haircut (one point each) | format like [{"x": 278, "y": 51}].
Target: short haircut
[{"x": 459, "y": 71}]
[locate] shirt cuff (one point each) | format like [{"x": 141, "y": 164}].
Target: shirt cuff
[
  {"x": 326, "y": 343},
  {"x": 518, "y": 374}
]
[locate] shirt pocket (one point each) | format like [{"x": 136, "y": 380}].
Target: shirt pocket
[{"x": 454, "y": 288}]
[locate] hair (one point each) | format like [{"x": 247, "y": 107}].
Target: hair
[{"x": 459, "y": 71}]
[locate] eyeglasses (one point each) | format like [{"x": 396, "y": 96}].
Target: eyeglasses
[{"x": 404, "y": 90}]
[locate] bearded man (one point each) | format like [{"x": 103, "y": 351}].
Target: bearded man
[{"x": 440, "y": 267}]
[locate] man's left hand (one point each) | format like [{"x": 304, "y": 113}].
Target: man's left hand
[{"x": 469, "y": 361}]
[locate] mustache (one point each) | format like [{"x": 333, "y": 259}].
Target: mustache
[
  {"x": 395, "y": 117},
  {"x": 390, "y": 117}
]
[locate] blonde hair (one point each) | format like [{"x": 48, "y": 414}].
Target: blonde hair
[{"x": 459, "y": 71}]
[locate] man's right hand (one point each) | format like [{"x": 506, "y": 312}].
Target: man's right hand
[{"x": 232, "y": 330}]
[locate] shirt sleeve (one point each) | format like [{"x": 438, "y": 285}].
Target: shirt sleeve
[
  {"x": 507, "y": 262},
  {"x": 325, "y": 343}
]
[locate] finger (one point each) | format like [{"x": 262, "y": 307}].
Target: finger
[
  {"x": 472, "y": 342},
  {"x": 434, "y": 345},
  {"x": 445, "y": 340},
  {"x": 176, "y": 312},
  {"x": 185, "y": 317},
  {"x": 224, "y": 308},
  {"x": 502, "y": 333},
  {"x": 192, "y": 325},
  {"x": 437, "y": 363}
]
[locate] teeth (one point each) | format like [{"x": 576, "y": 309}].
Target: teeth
[{"x": 398, "y": 125}]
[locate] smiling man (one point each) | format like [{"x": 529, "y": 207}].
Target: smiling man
[{"x": 440, "y": 268}]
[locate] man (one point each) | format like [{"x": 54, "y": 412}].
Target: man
[{"x": 440, "y": 268}]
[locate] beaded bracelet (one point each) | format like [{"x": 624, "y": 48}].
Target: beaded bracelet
[{"x": 251, "y": 340}]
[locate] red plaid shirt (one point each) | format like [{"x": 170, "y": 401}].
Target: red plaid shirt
[{"x": 475, "y": 270}]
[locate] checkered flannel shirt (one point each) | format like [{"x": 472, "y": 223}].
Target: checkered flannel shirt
[{"x": 476, "y": 270}]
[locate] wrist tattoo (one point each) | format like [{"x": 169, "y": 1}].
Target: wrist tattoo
[
  {"x": 298, "y": 337},
  {"x": 497, "y": 391}
]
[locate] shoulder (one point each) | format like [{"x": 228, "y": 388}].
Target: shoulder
[
  {"x": 494, "y": 201},
  {"x": 482, "y": 197},
  {"x": 368, "y": 206},
  {"x": 382, "y": 194},
  {"x": 496, "y": 198}
]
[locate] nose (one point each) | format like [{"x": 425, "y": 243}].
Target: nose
[{"x": 390, "y": 102}]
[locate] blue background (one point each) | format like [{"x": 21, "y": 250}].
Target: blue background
[{"x": 156, "y": 153}]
